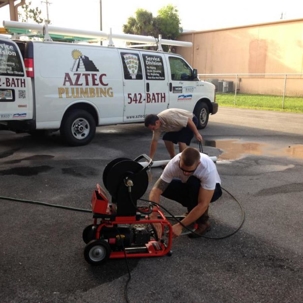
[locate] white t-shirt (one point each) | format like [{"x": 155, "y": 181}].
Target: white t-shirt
[{"x": 206, "y": 172}]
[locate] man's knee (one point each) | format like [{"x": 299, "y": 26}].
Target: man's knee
[{"x": 217, "y": 193}]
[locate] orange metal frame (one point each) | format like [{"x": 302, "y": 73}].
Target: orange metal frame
[{"x": 102, "y": 211}]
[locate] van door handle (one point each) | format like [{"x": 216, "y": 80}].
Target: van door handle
[
  {"x": 170, "y": 87},
  {"x": 147, "y": 87}
]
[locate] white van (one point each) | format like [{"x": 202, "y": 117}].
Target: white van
[{"x": 46, "y": 85}]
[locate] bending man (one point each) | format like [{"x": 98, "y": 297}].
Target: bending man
[
  {"x": 190, "y": 178},
  {"x": 179, "y": 126}
]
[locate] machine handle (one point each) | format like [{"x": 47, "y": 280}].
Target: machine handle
[{"x": 146, "y": 157}]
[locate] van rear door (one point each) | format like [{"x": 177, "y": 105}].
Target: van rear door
[{"x": 15, "y": 86}]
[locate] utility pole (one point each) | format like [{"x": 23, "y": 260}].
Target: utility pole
[
  {"x": 101, "y": 19},
  {"x": 101, "y": 15},
  {"x": 47, "y": 3}
]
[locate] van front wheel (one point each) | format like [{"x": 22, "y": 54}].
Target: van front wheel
[
  {"x": 202, "y": 113},
  {"x": 78, "y": 128}
]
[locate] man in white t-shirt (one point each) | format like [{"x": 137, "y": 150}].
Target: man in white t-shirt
[
  {"x": 179, "y": 126},
  {"x": 190, "y": 178}
]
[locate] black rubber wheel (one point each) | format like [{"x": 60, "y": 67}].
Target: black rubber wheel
[
  {"x": 78, "y": 127},
  {"x": 202, "y": 113},
  {"x": 89, "y": 233},
  {"x": 97, "y": 252},
  {"x": 170, "y": 253}
]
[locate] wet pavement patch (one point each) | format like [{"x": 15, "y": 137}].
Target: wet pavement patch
[
  {"x": 32, "y": 158},
  {"x": 8, "y": 153},
  {"x": 287, "y": 188},
  {"x": 80, "y": 171},
  {"x": 236, "y": 149},
  {"x": 26, "y": 171}
]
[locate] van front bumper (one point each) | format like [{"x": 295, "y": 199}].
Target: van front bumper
[{"x": 215, "y": 108}]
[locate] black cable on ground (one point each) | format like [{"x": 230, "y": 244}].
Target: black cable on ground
[
  {"x": 46, "y": 204},
  {"x": 151, "y": 202},
  {"x": 204, "y": 236}
]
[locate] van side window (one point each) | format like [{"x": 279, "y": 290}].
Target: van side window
[
  {"x": 154, "y": 67},
  {"x": 131, "y": 66},
  {"x": 180, "y": 70},
  {"x": 10, "y": 62}
]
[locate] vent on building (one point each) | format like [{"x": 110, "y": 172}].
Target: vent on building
[{"x": 226, "y": 86}]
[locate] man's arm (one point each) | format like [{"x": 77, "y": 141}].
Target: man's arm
[
  {"x": 154, "y": 196},
  {"x": 153, "y": 148},
  {"x": 194, "y": 129},
  {"x": 204, "y": 199},
  {"x": 157, "y": 190}
]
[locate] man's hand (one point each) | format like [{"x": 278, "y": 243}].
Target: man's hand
[
  {"x": 199, "y": 137},
  {"x": 177, "y": 230},
  {"x": 157, "y": 226}
]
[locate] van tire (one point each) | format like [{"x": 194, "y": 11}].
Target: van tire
[
  {"x": 78, "y": 127},
  {"x": 202, "y": 113}
]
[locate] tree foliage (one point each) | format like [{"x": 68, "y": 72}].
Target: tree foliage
[
  {"x": 167, "y": 23},
  {"x": 142, "y": 24},
  {"x": 30, "y": 13}
]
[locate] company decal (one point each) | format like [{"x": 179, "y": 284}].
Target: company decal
[
  {"x": 19, "y": 115},
  {"x": 12, "y": 82},
  {"x": 177, "y": 89},
  {"x": 5, "y": 116},
  {"x": 9, "y": 60},
  {"x": 184, "y": 97},
  {"x": 132, "y": 64},
  {"x": 84, "y": 80},
  {"x": 137, "y": 98},
  {"x": 154, "y": 67},
  {"x": 189, "y": 89}
]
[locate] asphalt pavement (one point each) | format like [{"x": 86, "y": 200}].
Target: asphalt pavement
[{"x": 260, "y": 159}]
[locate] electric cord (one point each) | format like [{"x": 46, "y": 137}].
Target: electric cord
[
  {"x": 128, "y": 271},
  {"x": 204, "y": 236},
  {"x": 46, "y": 204},
  {"x": 145, "y": 213}
]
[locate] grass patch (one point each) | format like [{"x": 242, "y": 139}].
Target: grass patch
[{"x": 265, "y": 102}]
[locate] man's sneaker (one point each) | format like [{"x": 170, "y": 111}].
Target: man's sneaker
[{"x": 201, "y": 230}]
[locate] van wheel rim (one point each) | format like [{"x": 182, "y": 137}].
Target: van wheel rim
[
  {"x": 80, "y": 128},
  {"x": 203, "y": 115}
]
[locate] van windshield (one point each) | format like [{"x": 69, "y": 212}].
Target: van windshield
[{"x": 10, "y": 61}]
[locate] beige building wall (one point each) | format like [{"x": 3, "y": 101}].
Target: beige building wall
[{"x": 267, "y": 58}]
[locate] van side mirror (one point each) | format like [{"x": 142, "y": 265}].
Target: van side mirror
[{"x": 195, "y": 74}]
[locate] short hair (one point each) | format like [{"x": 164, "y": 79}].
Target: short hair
[
  {"x": 190, "y": 156},
  {"x": 150, "y": 119}
]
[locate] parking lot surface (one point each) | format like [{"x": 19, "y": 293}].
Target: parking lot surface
[{"x": 260, "y": 165}]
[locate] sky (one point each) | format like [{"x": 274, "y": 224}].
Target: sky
[{"x": 194, "y": 14}]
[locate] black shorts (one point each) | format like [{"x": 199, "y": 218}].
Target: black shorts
[{"x": 184, "y": 135}]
